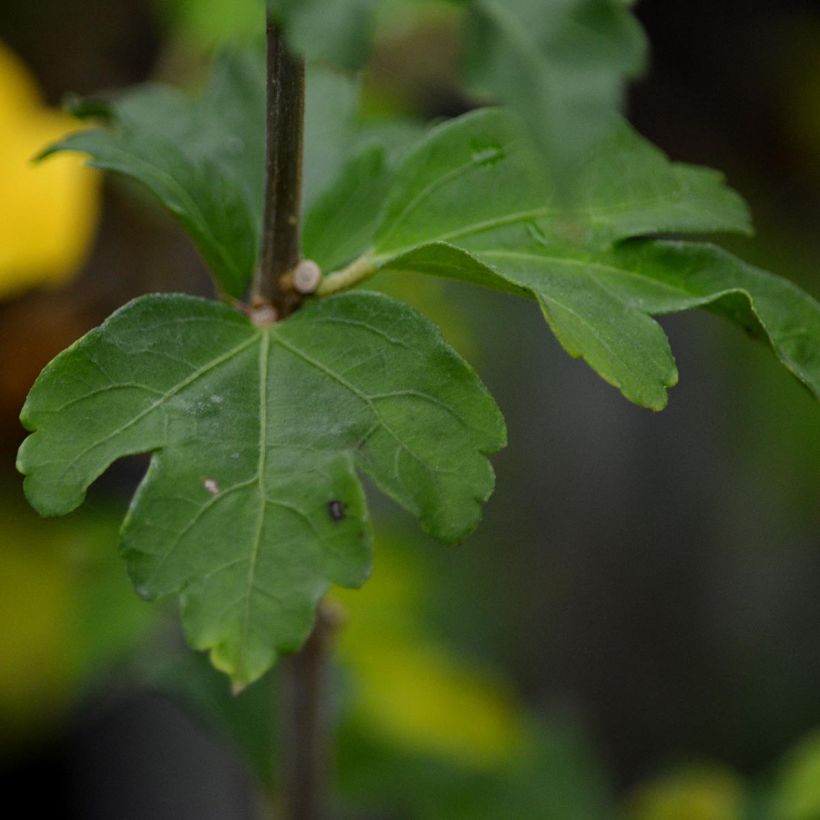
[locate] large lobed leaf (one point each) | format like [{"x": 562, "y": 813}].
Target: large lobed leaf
[
  {"x": 251, "y": 506},
  {"x": 474, "y": 202}
]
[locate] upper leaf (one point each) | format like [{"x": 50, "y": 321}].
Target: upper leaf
[
  {"x": 479, "y": 172},
  {"x": 251, "y": 507},
  {"x": 474, "y": 202},
  {"x": 561, "y": 66},
  {"x": 337, "y": 31}
]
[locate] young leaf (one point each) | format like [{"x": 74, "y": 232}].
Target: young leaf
[
  {"x": 341, "y": 220},
  {"x": 344, "y": 219},
  {"x": 251, "y": 506},
  {"x": 331, "y": 126},
  {"x": 561, "y": 66},
  {"x": 473, "y": 202}
]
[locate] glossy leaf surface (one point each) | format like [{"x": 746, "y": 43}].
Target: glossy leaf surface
[
  {"x": 252, "y": 506},
  {"x": 473, "y": 202}
]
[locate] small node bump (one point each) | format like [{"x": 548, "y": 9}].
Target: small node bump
[
  {"x": 306, "y": 277},
  {"x": 264, "y": 315}
]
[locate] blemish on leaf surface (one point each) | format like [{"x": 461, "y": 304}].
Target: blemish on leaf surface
[{"x": 336, "y": 510}]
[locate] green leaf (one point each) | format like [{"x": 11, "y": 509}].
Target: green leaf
[
  {"x": 336, "y": 31},
  {"x": 628, "y": 187},
  {"x": 479, "y": 173},
  {"x": 344, "y": 219},
  {"x": 599, "y": 305},
  {"x": 562, "y": 66},
  {"x": 206, "y": 23},
  {"x": 667, "y": 277},
  {"x": 251, "y": 506},
  {"x": 473, "y": 202},
  {"x": 203, "y": 158},
  {"x": 331, "y": 127},
  {"x": 620, "y": 342}
]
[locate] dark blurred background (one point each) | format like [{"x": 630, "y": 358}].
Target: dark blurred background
[{"x": 653, "y": 580}]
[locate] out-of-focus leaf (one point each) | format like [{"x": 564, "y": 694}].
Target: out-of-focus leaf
[
  {"x": 344, "y": 220},
  {"x": 797, "y": 794},
  {"x": 203, "y": 158},
  {"x": 336, "y": 31},
  {"x": 210, "y": 22},
  {"x": 248, "y": 720},
  {"x": 60, "y": 582},
  {"x": 449, "y": 708},
  {"x": 698, "y": 793},
  {"x": 561, "y": 65}
]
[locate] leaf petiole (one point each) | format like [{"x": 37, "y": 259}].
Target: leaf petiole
[{"x": 360, "y": 270}]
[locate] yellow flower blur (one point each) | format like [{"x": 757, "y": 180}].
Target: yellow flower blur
[
  {"x": 410, "y": 690},
  {"x": 48, "y": 210},
  {"x": 696, "y": 793}
]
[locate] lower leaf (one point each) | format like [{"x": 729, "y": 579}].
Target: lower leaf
[
  {"x": 251, "y": 507},
  {"x": 599, "y": 305}
]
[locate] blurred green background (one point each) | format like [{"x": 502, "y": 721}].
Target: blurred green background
[{"x": 634, "y": 631}]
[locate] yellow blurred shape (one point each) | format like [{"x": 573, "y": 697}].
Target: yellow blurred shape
[
  {"x": 701, "y": 793},
  {"x": 410, "y": 690},
  {"x": 67, "y": 614},
  {"x": 37, "y": 663},
  {"x": 48, "y": 210},
  {"x": 423, "y": 699}
]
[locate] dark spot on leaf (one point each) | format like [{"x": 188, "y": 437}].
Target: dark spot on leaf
[{"x": 336, "y": 510}]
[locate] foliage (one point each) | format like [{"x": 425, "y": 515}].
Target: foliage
[
  {"x": 59, "y": 584},
  {"x": 798, "y": 790},
  {"x": 252, "y": 506},
  {"x": 560, "y": 65},
  {"x": 253, "y": 528}
]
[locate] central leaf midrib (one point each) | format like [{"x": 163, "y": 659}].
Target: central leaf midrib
[
  {"x": 264, "y": 357},
  {"x": 364, "y": 397}
]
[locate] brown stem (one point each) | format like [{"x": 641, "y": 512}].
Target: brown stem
[
  {"x": 280, "y": 252},
  {"x": 305, "y": 723}
]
